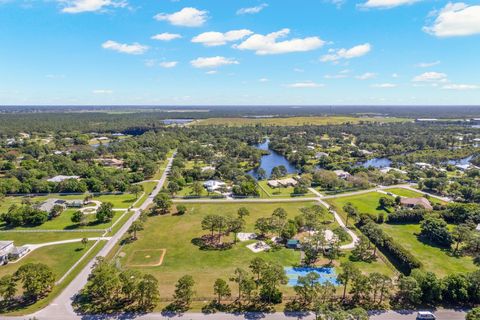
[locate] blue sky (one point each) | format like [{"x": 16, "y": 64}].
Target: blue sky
[{"x": 188, "y": 52}]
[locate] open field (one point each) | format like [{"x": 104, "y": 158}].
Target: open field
[
  {"x": 184, "y": 257},
  {"x": 64, "y": 222},
  {"x": 365, "y": 203},
  {"x": 433, "y": 258},
  {"x": 147, "y": 189},
  {"x": 411, "y": 194},
  {"x": 60, "y": 287},
  {"x": 267, "y": 192},
  {"x": 58, "y": 257},
  {"x": 295, "y": 121},
  {"x": 21, "y": 238}
]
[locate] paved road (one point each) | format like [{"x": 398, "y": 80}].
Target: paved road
[{"x": 61, "y": 307}]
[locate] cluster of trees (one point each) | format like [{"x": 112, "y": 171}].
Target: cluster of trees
[
  {"x": 110, "y": 290},
  {"x": 219, "y": 226},
  {"x": 37, "y": 280},
  {"x": 24, "y": 215}
]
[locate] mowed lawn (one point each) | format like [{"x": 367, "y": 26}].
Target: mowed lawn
[
  {"x": 402, "y": 192},
  {"x": 267, "y": 192},
  {"x": 147, "y": 189},
  {"x": 175, "y": 234},
  {"x": 58, "y": 257},
  {"x": 21, "y": 238},
  {"x": 433, "y": 258},
  {"x": 365, "y": 203},
  {"x": 64, "y": 222}
]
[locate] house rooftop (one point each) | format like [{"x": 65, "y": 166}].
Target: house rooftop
[{"x": 422, "y": 202}]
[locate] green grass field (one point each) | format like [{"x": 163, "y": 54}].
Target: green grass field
[
  {"x": 411, "y": 194},
  {"x": 147, "y": 189},
  {"x": 58, "y": 257},
  {"x": 267, "y": 192},
  {"x": 64, "y": 222},
  {"x": 365, "y": 203},
  {"x": 433, "y": 258},
  {"x": 183, "y": 257},
  {"x": 294, "y": 121},
  {"x": 21, "y": 238}
]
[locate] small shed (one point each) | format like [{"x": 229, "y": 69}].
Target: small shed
[{"x": 293, "y": 244}]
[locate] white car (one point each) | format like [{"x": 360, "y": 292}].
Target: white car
[{"x": 423, "y": 315}]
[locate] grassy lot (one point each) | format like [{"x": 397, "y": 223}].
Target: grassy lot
[
  {"x": 119, "y": 201},
  {"x": 147, "y": 189},
  {"x": 21, "y": 238},
  {"x": 183, "y": 257},
  {"x": 64, "y": 222},
  {"x": 369, "y": 267},
  {"x": 433, "y": 258},
  {"x": 60, "y": 287},
  {"x": 58, "y": 257},
  {"x": 294, "y": 121},
  {"x": 365, "y": 203},
  {"x": 187, "y": 191},
  {"x": 267, "y": 192},
  {"x": 411, "y": 194}
]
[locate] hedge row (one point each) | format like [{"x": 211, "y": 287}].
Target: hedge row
[{"x": 399, "y": 256}]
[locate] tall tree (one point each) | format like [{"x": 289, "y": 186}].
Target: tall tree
[
  {"x": 349, "y": 272},
  {"x": 184, "y": 292},
  {"x": 37, "y": 278},
  {"x": 221, "y": 289}
]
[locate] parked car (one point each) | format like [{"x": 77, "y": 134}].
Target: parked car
[{"x": 424, "y": 315}]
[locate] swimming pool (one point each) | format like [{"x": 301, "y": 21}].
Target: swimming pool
[{"x": 326, "y": 274}]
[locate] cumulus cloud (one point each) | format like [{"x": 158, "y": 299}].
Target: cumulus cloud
[
  {"x": 79, "y": 6},
  {"x": 354, "y": 52},
  {"x": 187, "y": 17},
  {"x": 384, "y": 85},
  {"x": 427, "y": 64},
  {"x": 455, "y": 19},
  {"x": 366, "y": 76},
  {"x": 211, "y": 39},
  {"x": 166, "y": 36},
  {"x": 168, "y": 64},
  {"x": 336, "y": 76},
  {"x": 268, "y": 44},
  {"x": 263, "y": 80},
  {"x": 305, "y": 84},
  {"x": 134, "y": 48},
  {"x": 252, "y": 10},
  {"x": 386, "y": 4},
  {"x": 461, "y": 87},
  {"x": 430, "y": 77},
  {"x": 212, "y": 62}
]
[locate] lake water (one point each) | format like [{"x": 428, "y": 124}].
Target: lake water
[
  {"x": 376, "y": 163},
  {"x": 271, "y": 160}
]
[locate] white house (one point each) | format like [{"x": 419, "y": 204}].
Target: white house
[
  {"x": 61, "y": 178},
  {"x": 342, "y": 174},
  {"x": 213, "y": 185}
]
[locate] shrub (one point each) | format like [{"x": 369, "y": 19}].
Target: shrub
[{"x": 406, "y": 216}]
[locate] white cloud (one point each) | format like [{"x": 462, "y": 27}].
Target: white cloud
[
  {"x": 395, "y": 75},
  {"x": 263, "y": 80},
  {"x": 211, "y": 72},
  {"x": 427, "y": 64},
  {"x": 335, "y": 76},
  {"x": 187, "y": 17},
  {"x": 354, "y": 52},
  {"x": 168, "y": 64},
  {"x": 298, "y": 70},
  {"x": 461, "y": 87},
  {"x": 267, "y": 44},
  {"x": 166, "y": 36},
  {"x": 134, "y": 48},
  {"x": 79, "y": 6},
  {"x": 366, "y": 76},
  {"x": 386, "y": 4},
  {"x": 305, "y": 84},
  {"x": 384, "y": 85},
  {"x": 211, "y": 39},
  {"x": 212, "y": 62},
  {"x": 455, "y": 19},
  {"x": 102, "y": 91},
  {"x": 252, "y": 10},
  {"x": 430, "y": 77}
]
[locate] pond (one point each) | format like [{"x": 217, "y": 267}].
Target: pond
[
  {"x": 271, "y": 160},
  {"x": 376, "y": 163}
]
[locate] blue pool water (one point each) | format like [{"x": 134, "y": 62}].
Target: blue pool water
[{"x": 326, "y": 274}]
